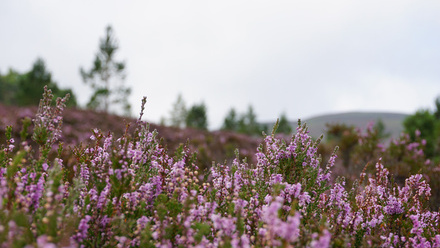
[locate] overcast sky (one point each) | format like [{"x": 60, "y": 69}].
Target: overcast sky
[{"x": 304, "y": 58}]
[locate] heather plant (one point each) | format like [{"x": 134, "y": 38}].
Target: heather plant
[
  {"x": 128, "y": 192},
  {"x": 360, "y": 149},
  {"x": 427, "y": 126}
]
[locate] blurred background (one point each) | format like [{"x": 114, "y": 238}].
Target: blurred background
[
  {"x": 298, "y": 58},
  {"x": 365, "y": 74}
]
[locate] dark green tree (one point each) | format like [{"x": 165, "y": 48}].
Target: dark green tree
[
  {"x": 107, "y": 76},
  {"x": 230, "y": 123},
  {"x": 424, "y": 123},
  {"x": 9, "y": 87},
  {"x": 30, "y": 86},
  {"x": 380, "y": 129},
  {"x": 284, "y": 125},
  {"x": 437, "y": 108},
  {"x": 248, "y": 124},
  {"x": 196, "y": 117},
  {"x": 178, "y": 113}
]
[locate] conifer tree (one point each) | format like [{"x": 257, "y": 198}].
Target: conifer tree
[
  {"x": 437, "y": 108},
  {"x": 107, "y": 76},
  {"x": 29, "y": 86},
  {"x": 284, "y": 125},
  {"x": 196, "y": 117},
  {"x": 231, "y": 123},
  {"x": 178, "y": 113},
  {"x": 248, "y": 123}
]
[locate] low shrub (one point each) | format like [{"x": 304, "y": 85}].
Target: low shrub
[{"x": 128, "y": 192}]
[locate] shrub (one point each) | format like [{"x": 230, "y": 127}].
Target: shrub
[{"x": 127, "y": 192}]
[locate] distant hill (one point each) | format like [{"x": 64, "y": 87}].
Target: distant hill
[{"x": 393, "y": 121}]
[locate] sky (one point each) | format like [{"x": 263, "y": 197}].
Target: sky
[{"x": 301, "y": 58}]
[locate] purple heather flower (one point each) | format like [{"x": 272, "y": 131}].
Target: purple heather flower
[
  {"x": 338, "y": 194},
  {"x": 84, "y": 173},
  {"x": 45, "y": 166},
  {"x": 240, "y": 204},
  {"x": 122, "y": 240},
  {"x": 143, "y": 221},
  {"x": 275, "y": 178},
  {"x": 323, "y": 241},
  {"x": 270, "y": 212},
  {"x": 289, "y": 230},
  {"x": 12, "y": 229},
  {"x": 242, "y": 242},
  {"x": 104, "y": 221},
  {"x": 374, "y": 221},
  {"x": 224, "y": 224},
  {"x": 103, "y": 197},
  {"x": 36, "y": 192},
  {"x": 43, "y": 243},
  {"x": 83, "y": 228},
  {"x": 291, "y": 191},
  {"x": 394, "y": 206},
  {"x": 268, "y": 199},
  {"x": 436, "y": 242},
  {"x": 304, "y": 199}
]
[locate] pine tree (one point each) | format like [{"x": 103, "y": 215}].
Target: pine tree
[
  {"x": 248, "y": 123},
  {"x": 106, "y": 77},
  {"x": 30, "y": 85},
  {"x": 231, "y": 123},
  {"x": 437, "y": 108},
  {"x": 196, "y": 117},
  {"x": 178, "y": 113},
  {"x": 284, "y": 125}
]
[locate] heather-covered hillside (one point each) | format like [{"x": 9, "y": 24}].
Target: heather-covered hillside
[
  {"x": 125, "y": 190},
  {"x": 78, "y": 126}
]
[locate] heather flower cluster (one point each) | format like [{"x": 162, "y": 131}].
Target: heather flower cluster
[{"x": 128, "y": 192}]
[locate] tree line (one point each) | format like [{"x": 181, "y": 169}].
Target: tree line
[
  {"x": 425, "y": 124},
  {"x": 106, "y": 77},
  {"x": 196, "y": 117},
  {"x": 25, "y": 89}
]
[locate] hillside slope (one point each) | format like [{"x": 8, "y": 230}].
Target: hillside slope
[
  {"x": 392, "y": 121},
  {"x": 78, "y": 125}
]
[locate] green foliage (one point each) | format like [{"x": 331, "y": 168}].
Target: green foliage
[
  {"x": 178, "y": 113},
  {"x": 246, "y": 123},
  {"x": 9, "y": 87},
  {"x": 196, "y": 117},
  {"x": 106, "y": 77},
  {"x": 425, "y": 124},
  {"x": 26, "y": 89},
  {"x": 230, "y": 123},
  {"x": 32, "y": 83},
  {"x": 437, "y": 108},
  {"x": 284, "y": 125},
  {"x": 380, "y": 128}
]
